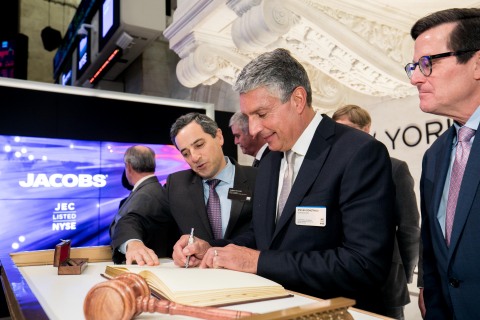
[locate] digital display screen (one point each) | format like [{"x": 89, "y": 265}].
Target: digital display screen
[
  {"x": 56, "y": 189},
  {"x": 7, "y": 59},
  {"x": 82, "y": 53},
  {"x": 107, "y": 17}
]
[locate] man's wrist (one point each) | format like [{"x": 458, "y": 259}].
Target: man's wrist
[{"x": 123, "y": 247}]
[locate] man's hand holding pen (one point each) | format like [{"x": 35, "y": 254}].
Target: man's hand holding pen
[{"x": 194, "y": 251}]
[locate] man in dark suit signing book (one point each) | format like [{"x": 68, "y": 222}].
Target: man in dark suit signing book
[
  {"x": 214, "y": 197},
  {"x": 323, "y": 209}
]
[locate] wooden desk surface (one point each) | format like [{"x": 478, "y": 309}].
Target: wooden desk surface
[{"x": 37, "y": 292}]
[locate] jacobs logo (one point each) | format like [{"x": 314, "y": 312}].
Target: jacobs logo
[{"x": 58, "y": 180}]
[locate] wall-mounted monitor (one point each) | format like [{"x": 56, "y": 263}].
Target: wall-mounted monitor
[
  {"x": 66, "y": 77},
  {"x": 56, "y": 189},
  {"x": 83, "y": 54},
  {"x": 109, "y": 20}
]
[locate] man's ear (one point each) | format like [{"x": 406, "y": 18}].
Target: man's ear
[
  {"x": 299, "y": 97},
  {"x": 476, "y": 72},
  {"x": 219, "y": 136}
]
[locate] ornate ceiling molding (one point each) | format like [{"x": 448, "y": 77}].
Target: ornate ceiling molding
[{"x": 347, "y": 47}]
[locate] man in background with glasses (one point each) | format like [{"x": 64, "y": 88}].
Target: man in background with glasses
[{"x": 448, "y": 82}]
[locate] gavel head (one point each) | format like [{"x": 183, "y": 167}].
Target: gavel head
[{"x": 115, "y": 299}]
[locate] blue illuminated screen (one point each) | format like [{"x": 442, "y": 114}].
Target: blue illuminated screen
[
  {"x": 107, "y": 15},
  {"x": 56, "y": 189},
  {"x": 82, "y": 52}
]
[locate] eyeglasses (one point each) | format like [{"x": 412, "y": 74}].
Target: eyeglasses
[{"x": 425, "y": 62}]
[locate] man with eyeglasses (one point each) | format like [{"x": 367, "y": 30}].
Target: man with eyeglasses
[{"x": 448, "y": 82}]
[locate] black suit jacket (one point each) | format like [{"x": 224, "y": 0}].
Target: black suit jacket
[
  {"x": 407, "y": 237},
  {"x": 143, "y": 201},
  {"x": 182, "y": 201},
  {"x": 451, "y": 275},
  {"x": 349, "y": 173}
]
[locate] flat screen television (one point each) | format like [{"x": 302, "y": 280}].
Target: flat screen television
[
  {"x": 66, "y": 77},
  {"x": 109, "y": 21},
  {"x": 83, "y": 54},
  {"x": 56, "y": 189},
  {"x": 7, "y": 59}
]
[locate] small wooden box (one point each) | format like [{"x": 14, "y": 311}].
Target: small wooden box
[{"x": 65, "y": 264}]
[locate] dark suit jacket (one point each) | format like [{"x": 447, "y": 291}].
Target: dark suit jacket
[
  {"x": 145, "y": 200},
  {"x": 183, "y": 202},
  {"x": 451, "y": 275},
  {"x": 407, "y": 237},
  {"x": 348, "y": 172}
]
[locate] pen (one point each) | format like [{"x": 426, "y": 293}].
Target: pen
[{"x": 190, "y": 241}]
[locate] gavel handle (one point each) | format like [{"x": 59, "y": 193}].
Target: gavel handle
[{"x": 150, "y": 304}]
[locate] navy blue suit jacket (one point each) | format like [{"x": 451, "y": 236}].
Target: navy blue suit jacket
[
  {"x": 348, "y": 172},
  {"x": 451, "y": 275}
]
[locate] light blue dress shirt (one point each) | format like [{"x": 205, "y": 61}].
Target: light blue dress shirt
[{"x": 226, "y": 177}]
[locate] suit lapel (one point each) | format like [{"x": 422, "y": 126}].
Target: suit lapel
[
  {"x": 312, "y": 164},
  {"x": 467, "y": 193},
  {"x": 239, "y": 183},
  {"x": 441, "y": 168},
  {"x": 195, "y": 191}
]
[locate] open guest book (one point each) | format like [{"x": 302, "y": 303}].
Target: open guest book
[{"x": 203, "y": 287}]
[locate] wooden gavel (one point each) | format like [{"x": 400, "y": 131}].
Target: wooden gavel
[{"x": 128, "y": 295}]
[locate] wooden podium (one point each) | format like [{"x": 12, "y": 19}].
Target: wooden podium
[{"x": 34, "y": 290}]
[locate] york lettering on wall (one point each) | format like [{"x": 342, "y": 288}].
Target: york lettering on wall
[{"x": 413, "y": 135}]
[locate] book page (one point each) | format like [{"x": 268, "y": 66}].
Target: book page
[{"x": 195, "y": 286}]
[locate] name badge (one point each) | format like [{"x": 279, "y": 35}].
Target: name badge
[
  {"x": 311, "y": 216},
  {"x": 241, "y": 195}
]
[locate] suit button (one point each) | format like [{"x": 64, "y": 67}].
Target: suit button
[{"x": 454, "y": 282}]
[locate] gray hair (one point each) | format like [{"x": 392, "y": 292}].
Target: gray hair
[
  {"x": 208, "y": 125},
  {"x": 141, "y": 158},
  {"x": 241, "y": 120},
  {"x": 278, "y": 72}
]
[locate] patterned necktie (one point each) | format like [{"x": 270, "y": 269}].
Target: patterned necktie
[
  {"x": 287, "y": 183},
  {"x": 213, "y": 209},
  {"x": 256, "y": 163},
  {"x": 459, "y": 164}
]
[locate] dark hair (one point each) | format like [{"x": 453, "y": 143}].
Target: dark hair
[
  {"x": 277, "y": 71},
  {"x": 141, "y": 158},
  {"x": 355, "y": 114},
  {"x": 465, "y": 35},
  {"x": 208, "y": 125}
]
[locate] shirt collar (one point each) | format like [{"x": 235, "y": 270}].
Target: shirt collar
[
  {"x": 260, "y": 151},
  {"x": 472, "y": 123},
  {"x": 226, "y": 174},
  {"x": 303, "y": 143},
  {"x": 141, "y": 180}
]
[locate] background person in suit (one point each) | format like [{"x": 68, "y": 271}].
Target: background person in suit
[
  {"x": 334, "y": 236},
  {"x": 254, "y": 146},
  {"x": 143, "y": 200},
  {"x": 186, "y": 192},
  {"x": 395, "y": 293},
  {"x": 446, "y": 72}
]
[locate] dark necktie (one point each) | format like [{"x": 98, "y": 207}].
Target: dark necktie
[
  {"x": 459, "y": 164},
  {"x": 213, "y": 209},
  {"x": 256, "y": 163}
]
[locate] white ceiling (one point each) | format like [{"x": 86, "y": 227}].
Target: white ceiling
[{"x": 350, "y": 48}]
